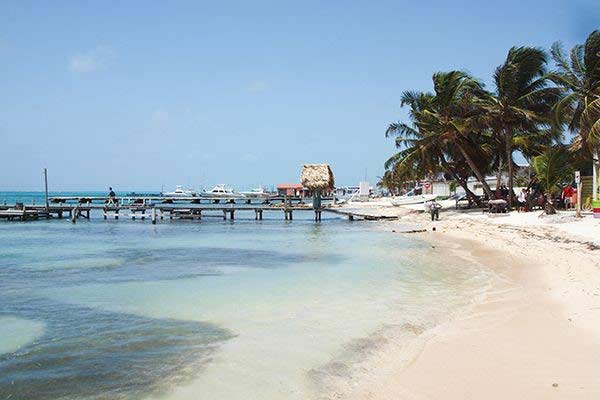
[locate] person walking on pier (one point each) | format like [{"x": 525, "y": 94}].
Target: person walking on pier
[{"x": 111, "y": 196}]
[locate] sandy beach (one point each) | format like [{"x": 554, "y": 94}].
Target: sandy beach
[{"x": 536, "y": 335}]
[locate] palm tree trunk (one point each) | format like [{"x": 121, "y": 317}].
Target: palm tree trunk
[
  {"x": 461, "y": 182},
  {"x": 509, "y": 160},
  {"x": 499, "y": 171},
  {"x": 548, "y": 206},
  {"x": 480, "y": 177},
  {"x": 595, "y": 174}
]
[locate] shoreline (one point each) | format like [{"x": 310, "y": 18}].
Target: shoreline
[{"x": 535, "y": 336}]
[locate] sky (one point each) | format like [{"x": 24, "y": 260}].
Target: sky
[{"x": 137, "y": 95}]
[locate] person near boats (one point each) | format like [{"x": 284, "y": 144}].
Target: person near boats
[{"x": 434, "y": 209}]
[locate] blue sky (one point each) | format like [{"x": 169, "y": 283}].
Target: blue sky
[{"x": 139, "y": 95}]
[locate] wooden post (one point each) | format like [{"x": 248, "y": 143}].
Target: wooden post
[
  {"x": 153, "y": 216},
  {"x": 74, "y": 215},
  {"x": 578, "y": 182},
  {"x": 117, "y": 213},
  {"x": 224, "y": 215},
  {"x": 317, "y": 204},
  {"x": 46, "y": 186},
  {"x": 231, "y": 215}
]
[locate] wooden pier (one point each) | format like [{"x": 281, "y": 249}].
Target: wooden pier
[{"x": 160, "y": 208}]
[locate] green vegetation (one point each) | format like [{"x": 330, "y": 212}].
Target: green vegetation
[{"x": 543, "y": 105}]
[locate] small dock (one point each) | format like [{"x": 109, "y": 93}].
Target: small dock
[{"x": 25, "y": 214}]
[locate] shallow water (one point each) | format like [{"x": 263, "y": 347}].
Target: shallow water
[{"x": 212, "y": 309}]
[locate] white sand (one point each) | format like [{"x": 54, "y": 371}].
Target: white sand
[{"x": 538, "y": 337}]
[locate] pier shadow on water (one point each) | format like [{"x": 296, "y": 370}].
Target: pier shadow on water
[{"x": 86, "y": 353}]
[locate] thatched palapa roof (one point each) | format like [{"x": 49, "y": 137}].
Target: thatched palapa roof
[{"x": 317, "y": 177}]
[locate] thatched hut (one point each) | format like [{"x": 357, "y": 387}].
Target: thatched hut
[{"x": 317, "y": 177}]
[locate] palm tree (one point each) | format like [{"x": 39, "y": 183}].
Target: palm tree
[
  {"x": 579, "y": 77},
  {"x": 443, "y": 117},
  {"x": 422, "y": 144},
  {"x": 551, "y": 168},
  {"x": 522, "y": 101}
]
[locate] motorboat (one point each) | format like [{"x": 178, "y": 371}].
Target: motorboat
[
  {"x": 222, "y": 191},
  {"x": 181, "y": 192},
  {"x": 258, "y": 193},
  {"x": 412, "y": 198}
]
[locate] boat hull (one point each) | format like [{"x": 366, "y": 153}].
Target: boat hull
[{"x": 418, "y": 199}]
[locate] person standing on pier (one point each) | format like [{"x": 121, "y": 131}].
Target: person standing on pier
[{"x": 111, "y": 196}]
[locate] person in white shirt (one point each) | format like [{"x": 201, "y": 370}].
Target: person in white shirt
[
  {"x": 434, "y": 210},
  {"x": 522, "y": 199}
]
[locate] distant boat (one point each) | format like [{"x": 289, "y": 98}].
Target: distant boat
[
  {"x": 411, "y": 198},
  {"x": 180, "y": 192},
  {"x": 223, "y": 192},
  {"x": 257, "y": 193},
  {"x": 134, "y": 194}
]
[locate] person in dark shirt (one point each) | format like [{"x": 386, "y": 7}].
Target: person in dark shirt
[{"x": 111, "y": 196}]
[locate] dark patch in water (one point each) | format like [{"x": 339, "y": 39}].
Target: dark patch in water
[
  {"x": 92, "y": 354},
  {"x": 142, "y": 265}
]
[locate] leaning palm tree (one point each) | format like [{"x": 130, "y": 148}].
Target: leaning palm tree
[
  {"x": 551, "y": 168},
  {"x": 444, "y": 118},
  {"x": 522, "y": 101},
  {"x": 421, "y": 144}
]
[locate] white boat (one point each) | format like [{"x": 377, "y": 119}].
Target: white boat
[
  {"x": 411, "y": 198},
  {"x": 257, "y": 193},
  {"x": 180, "y": 192},
  {"x": 221, "y": 191}
]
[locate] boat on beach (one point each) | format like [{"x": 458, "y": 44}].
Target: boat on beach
[{"x": 412, "y": 198}]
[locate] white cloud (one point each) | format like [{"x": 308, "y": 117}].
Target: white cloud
[
  {"x": 97, "y": 58},
  {"x": 249, "y": 157},
  {"x": 257, "y": 86}
]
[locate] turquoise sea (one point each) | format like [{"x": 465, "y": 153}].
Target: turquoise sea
[{"x": 214, "y": 309}]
